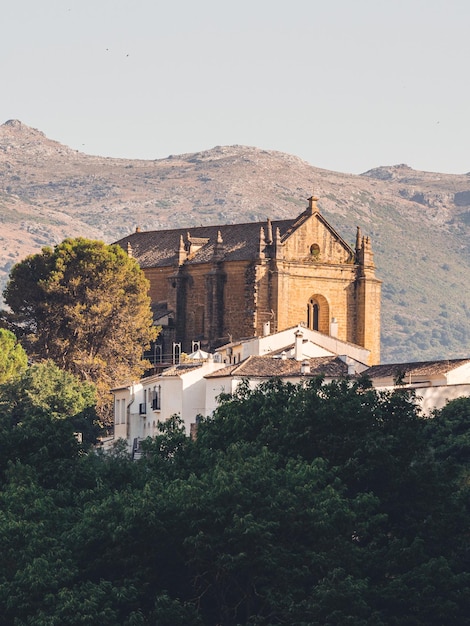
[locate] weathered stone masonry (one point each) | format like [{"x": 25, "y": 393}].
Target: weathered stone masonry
[{"x": 213, "y": 284}]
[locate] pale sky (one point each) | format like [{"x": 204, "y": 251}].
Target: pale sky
[{"x": 347, "y": 85}]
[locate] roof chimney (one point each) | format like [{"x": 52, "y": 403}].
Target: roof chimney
[
  {"x": 305, "y": 367},
  {"x": 334, "y": 327},
  {"x": 298, "y": 345},
  {"x": 312, "y": 205},
  {"x": 350, "y": 362}
]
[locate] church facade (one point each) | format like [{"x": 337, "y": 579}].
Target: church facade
[{"x": 210, "y": 285}]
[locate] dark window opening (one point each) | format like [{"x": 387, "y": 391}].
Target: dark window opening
[{"x": 313, "y": 311}]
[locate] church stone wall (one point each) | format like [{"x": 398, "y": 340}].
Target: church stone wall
[
  {"x": 263, "y": 297},
  {"x": 309, "y": 265},
  {"x": 211, "y": 300},
  {"x": 368, "y": 317},
  {"x": 314, "y": 241},
  {"x": 239, "y": 299},
  {"x": 298, "y": 283},
  {"x": 160, "y": 285}
]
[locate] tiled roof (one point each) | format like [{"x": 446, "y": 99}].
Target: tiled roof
[
  {"x": 422, "y": 368},
  {"x": 159, "y": 248},
  {"x": 178, "y": 370},
  {"x": 285, "y": 349},
  {"x": 267, "y": 367}
]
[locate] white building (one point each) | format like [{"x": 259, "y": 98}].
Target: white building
[
  {"x": 178, "y": 390},
  {"x": 294, "y": 355},
  {"x": 314, "y": 343},
  {"x": 435, "y": 382},
  {"x": 192, "y": 388}
]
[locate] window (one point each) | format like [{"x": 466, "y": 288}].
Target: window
[
  {"x": 318, "y": 313},
  {"x": 156, "y": 398},
  {"x": 313, "y": 311},
  {"x": 176, "y": 352},
  {"x": 315, "y": 250}
]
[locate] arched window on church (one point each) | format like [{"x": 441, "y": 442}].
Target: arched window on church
[
  {"x": 318, "y": 313},
  {"x": 315, "y": 250},
  {"x": 313, "y": 313}
]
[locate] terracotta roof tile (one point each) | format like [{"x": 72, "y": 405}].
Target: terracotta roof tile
[
  {"x": 420, "y": 368},
  {"x": 268, "y": 367},
  {"x": 158, "y": 248},
  {"x": 183, "y": 368}
]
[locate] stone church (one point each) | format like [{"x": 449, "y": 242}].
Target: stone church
[{"x": 210, "y": 285}]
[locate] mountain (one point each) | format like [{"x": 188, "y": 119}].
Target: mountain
[{"x": 419, "y": 222}]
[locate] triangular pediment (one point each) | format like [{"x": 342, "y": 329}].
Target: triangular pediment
[{"x": 313, "y": 238}]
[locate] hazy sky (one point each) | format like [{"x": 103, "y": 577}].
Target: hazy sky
[{"x": 346, "y": 85}]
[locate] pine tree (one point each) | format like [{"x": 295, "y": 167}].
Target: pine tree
[{"x": 85, "y": 305}]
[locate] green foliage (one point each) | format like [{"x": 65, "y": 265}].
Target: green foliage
[
  {"x": 300, "y": 505},
  {"x": 84, "y": 305},
  {"x": 449, "y": 436},
  {"x": 41, "y": 414},
  {"x": 45, "y": 388},
  {"x": 13, "y": 359}
]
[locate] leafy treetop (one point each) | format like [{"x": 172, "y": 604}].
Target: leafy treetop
[
  {"x": 13, "y": 358},
  {"x": 85, "y": 305},
  {"x": 302, "y": 505}
]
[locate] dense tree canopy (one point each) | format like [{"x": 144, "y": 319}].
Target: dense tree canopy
[
  {"x": 299, "y": 505},
  {"x": 85, "y": 305},
  {"x": 42, "y": 413},
  {"x": 13, "y": 359}
]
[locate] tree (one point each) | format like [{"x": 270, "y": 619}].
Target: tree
[
  {"x": 13, "y": 359},
  {"x": 394, "y": 540},
  {"x": 41, "y": 413},
  {"x": 449, "y": 436},
  {"x": 85, "y": 305},
  {"x": 45, "y": 388},
  {"x": 310, "y": 504}
]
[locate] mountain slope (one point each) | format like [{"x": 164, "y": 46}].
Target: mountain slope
[{"x": 419, "y": 222}]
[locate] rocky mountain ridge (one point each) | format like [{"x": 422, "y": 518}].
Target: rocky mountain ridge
[{"x": 419, "y": 222}]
